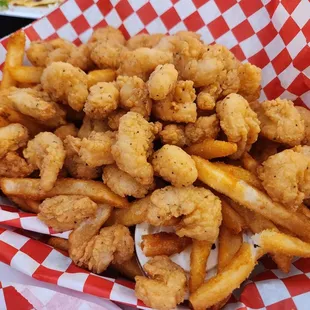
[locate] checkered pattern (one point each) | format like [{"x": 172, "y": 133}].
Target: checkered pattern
[{"x": 271, "y": 34}]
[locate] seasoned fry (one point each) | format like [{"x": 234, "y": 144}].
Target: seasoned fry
[
  {"x": 209, "y": 149},
  {"x": 23, "y": 74},
  {"x": 14, "y": 57},
  {"x": 29, "y": 188},
  {"x": 130, "y": 268},
  {"x": 104, "y": 75},
  {"x": 241, "y": 173},
  {"x": 249, "y": 163},
  {"x": 163, "y": 243},
  {"x": 59, "y": 243},
  {"x": 304, "y": 210},
  {"x": 220, "y": 286},
  {"x": 198, "y": 263},
  {"x": 229, "y": 245},
  {"x": 26, "y": 205},
  {"x": 231, "y": 219},
  {"x": 251, "y": 198}
]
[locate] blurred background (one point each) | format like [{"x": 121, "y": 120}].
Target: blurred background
[{"x": 9, "y": 24}]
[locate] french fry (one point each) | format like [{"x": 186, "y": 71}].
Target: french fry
[
  {"x": 209, "y": 149},
  {"x": 252, "y": 198},
  {"x": 29, "y": 189},
  {"x": 24, "y": 74},
  {"x": 33, "y": 205},
  {"x": 249, "y": 163},
  {"x": 135, "y": 214},
  {"x": 26, "y": 205},
  {"x": 220, "y": 286},
  {"x": 59, "y": 243},
  {"x": 229, "y": 245},
  {"x": 163, "y": 243},
  {"x": 241, "y": 173},
  {"x": 104, "y": 75},
  {"x": 304, "y": 210},
  {"x": 220, "y": 304},
  {"x": 14, "y": 57},
  {"x": 231, "y": 219},
  {"x": 130, "y": 268},
  {"x": 198, "y": 263}
]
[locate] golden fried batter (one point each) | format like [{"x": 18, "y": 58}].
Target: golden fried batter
[
  {"x": 173, "y": 134},
  {"x": 14, "y": 166},
  {"x": 144, "y": 40},
  {"x": 89, "y": 125},
  {"x": 114, "y": 117},
  {"x": 305, "y": 116},
  {"x": 66, "y": 130}
]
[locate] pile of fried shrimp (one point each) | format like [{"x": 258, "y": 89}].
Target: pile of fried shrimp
[{"x": 163, "y": 130}]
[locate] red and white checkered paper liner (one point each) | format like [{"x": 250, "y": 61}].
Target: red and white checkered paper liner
[{"x": 271, "y": 34}]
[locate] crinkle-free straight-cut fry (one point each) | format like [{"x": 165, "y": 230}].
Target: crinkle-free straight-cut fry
[
  {"x": 252, "y": 198},
  {"x": 249, "y": 163},
  {"x": 29, "y": 188},
  {"x": 59, "y": 243},
  {"x": 24, "y": 74}
]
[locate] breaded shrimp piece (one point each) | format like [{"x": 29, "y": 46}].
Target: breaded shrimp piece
[
  {"x": 66, "y": 212},
  {"x": 173, "y": 134},
  {"x": 175, "y": 166},
  {"x": 89, "y": 125},
  {"x": 250, "y": 80},
  {"x": 124, "y": 184},
  {"x": 103, "y": 99},
  {"x": 14, "y": 166},
  {"x": 144, "y": 40},
  {"x": 206, "y": 127},
  {"x": 239, "y": 122},
  {"x": 113, "y": 244},
  {"x": 95, "y": 150},
  {"x": 133, "y": 145},
  {"x": 285, "y": 177},
  {"x": 108, "y": 35},
  {"x": 46, "y": 152},
  {"x": 12, "y": 137},
  {"x": 206, "y": 99},
  {"x": 80, "y": 57},
  {"x": 166, "y": 286},
  {"x": 142, "y": 61},
  {"x": 38, "y": 51},
  {"x": 66, "y": 130},
  {"x": 134, "y": 95},
  {"x": 200, "y": 210},
  {"x": 305, "y": 116},
  {"x": 184, "y": 92},
  {"x": 162, "y": 81},
  {"x": 114, "y": 117},
  {"x": 65, "y": 83},
  {"x": 76, "y": 167},
  {"x": 280, "y": 121}
]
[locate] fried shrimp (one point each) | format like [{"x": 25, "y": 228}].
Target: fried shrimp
[
  {"x": 89, "y": 125},
  {"x": 200, "y": 210},
  {"x": 66, "y": 84},
  {"x": 102, "y": 100},
  {"x": 175, "y": 166},
  {"x": 14, "y": 166},
  {"x": 173, "y": 134},
  {"x": 132, "y": 147},
  {"x": 123, "y": 184},
  {"x": 239, "y": 122},
  {"x": 109, "y": 35},
  {"x": 12, "y": 137},
  {"x": 46, "y": 152},
  {"x": 166, "y": 286},
  {"x": 66, "y": 212},
  {"x": 144, "y": 40},
  {"x": 66, "y": 130},
  {"x": 305, "y": 116},
  {"x": 280, "y": 121}
]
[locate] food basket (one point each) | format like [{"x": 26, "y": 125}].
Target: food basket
[{"x": 272, "y": 34}]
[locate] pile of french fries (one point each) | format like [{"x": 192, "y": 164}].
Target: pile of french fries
[{"x": 246, "y": 208}]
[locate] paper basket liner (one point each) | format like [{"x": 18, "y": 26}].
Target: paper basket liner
[{"x": 271, "y": 34}]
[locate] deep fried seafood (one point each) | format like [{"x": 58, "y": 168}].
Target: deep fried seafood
[
  {"x": 66, "y": 84},
  {"x": 285, "y": 176},
  {"x": 12, "y": 137},
  {"x": 80, "y": 57},
  {"x": 199, "y": 208},
  {"x": 175, "y": 166},
  {"x": 109, "y": 35},
  {"x": 46, "y": 152},
  {"x": 66, "y": 212},
  {"x": 14, "y": 166},
  {"x": 38, "y": 52},
  {"x": 239, "y": 122},
  {"x": 207, "y": 97},
  {"x": 114, "y": 117},
  {"x": 132, "y": 147},
  {"x": 165, "y": 288},
  {"x": 206, "y": 127},
  {"x": 184, "y": 92},
  {"x": 142, "y": 61},
  {"x": 162, "y": 81},
  {"x": 134, "y": 95},
  {"x": 144, "y": 40},
  {"x": 173, "y": 134},
  {"x": 305, "y": 116},
  {"x": 102, "y": 100},
  {"x": 89, "y": 125},
  {"x": 280, "y": 121},
  {"x": 66, "y": 130},
  {"x": 123, "y": 184}
]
